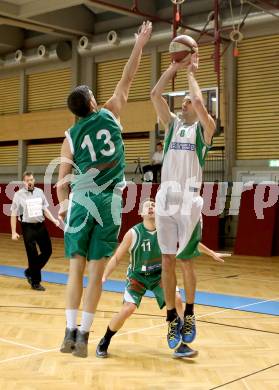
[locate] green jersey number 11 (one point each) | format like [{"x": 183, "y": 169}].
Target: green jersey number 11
[{"x": 146, "y": 246}]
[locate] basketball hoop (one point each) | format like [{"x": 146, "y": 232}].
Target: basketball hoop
[
  {"x": 236, "y": 36},
  {"x": 177, "y": 1}
]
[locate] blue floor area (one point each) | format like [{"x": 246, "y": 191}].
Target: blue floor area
[{"x": 202, "y": 298}]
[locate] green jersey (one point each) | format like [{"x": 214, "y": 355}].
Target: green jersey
[
  {"x": 145, "y": 254},
  {"x": 98, "y": 152}
]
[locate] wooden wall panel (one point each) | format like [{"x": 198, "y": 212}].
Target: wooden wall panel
[
  {"x": 8, "y": 155},
  {"x": 48, "y": 90},
  {"x": 42, "y": 154},
  {"x": 9, "y": 95},
  {"x": 258, "y": 99},
  {"x": 135, "y": 148},
  {"x": 138, "y": 117},
  {"x": 219, "y": 140},
  {"x": 109, "y": 73},
  {"x": 35, "y": 125}
]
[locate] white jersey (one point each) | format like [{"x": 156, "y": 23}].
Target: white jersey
[{"x": 184, "y": 154}]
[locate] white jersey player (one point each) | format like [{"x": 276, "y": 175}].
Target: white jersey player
[{"x": 178, "y": 203}]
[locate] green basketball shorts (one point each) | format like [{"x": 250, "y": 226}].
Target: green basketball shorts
[
  {"x": 137, "y": 284},
  {"x": 92, "y": 225}
]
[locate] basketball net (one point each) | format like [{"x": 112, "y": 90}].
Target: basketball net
[{"x": 235, "y": 35}]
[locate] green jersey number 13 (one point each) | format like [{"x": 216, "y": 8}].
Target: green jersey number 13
[{"x": 107, "y": 141}]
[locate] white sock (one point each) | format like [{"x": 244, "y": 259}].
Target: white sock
[
  {"x": 71, "y": 318},
  {"x": 86, "y": 321}
]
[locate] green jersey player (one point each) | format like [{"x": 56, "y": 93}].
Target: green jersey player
[
  {"x": 144, "y": 273},
  {"x": 92, "y": 211}
]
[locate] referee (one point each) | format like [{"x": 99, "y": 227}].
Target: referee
[{"x": 31, "y": 207}]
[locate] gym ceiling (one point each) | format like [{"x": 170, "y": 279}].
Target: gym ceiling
[{"x": 25, "y": 24}]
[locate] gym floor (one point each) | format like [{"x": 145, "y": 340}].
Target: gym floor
[{"x": 238, "y": 349}]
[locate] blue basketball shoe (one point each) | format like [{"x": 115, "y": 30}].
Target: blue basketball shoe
[
  {"x": 174, "y": 332},
  {"x": 188, "y": 331}
]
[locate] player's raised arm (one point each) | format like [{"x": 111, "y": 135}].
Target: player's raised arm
[
  {"x": 205, "y": 119},
  {"x": 119, "y": 254},
  {"x": 180, "y": 49},
  {"x": 120, "y": 96},
  {"x": 161, "y": 106}
]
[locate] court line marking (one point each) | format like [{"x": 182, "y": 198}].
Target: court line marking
[
  {"x": 246, "y": 384},
  {"x": 239, "y": 307},
  {"x": 27, "y": 355},
  {"x": 245, "y": 376},
  {"x": 238, "y": 327},
  {"x": 131, "y": 331},
  {"x": 21, "y": 344}
]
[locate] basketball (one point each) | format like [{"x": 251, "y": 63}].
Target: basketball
[{"x": 181, "y": 47}]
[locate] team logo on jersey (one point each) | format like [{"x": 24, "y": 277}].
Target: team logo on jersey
[{"x": 183, "y": 146}]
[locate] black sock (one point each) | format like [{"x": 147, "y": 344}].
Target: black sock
[
  {"x": 171, "y": 314},
  {"x": 189, "y": 309},
  {"x": 108, "y": 336}
]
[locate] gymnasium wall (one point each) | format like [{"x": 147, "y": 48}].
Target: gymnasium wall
[
  {"x": 9, "y": 95},
  {"x": 109, "y": 73},
  {"x": 258, "y": 99},
  {"x": 8, "y": 154}
]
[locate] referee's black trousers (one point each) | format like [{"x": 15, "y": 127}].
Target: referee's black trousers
[
  {"x": 36, "y": 234},
  {"x": 155, "y": 169}
]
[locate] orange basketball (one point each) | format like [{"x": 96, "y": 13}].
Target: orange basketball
[{"x": 181, "y": 47}]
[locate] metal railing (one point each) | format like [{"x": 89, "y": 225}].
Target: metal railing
[{"x": 214, "y": 169}]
